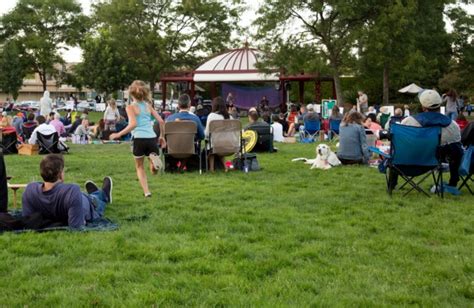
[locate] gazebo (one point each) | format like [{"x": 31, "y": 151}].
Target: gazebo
[{"x": 240, "y": 65}]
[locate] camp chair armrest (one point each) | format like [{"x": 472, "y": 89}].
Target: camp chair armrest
[{"x": 377, "y": 151}]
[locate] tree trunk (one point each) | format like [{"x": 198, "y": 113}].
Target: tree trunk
[
  {"x": 43, "y": 79},
  {"x": 386, "y": 84},
  {"x": 337, "y": 83}
]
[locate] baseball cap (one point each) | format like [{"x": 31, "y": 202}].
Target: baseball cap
[
  {"x": 430, "y": 99},
  {"x": 310, "y": 107}
]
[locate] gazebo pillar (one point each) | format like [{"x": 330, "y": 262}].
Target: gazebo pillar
[
  {"x": 193, "y": 92},
  {"x": 301, "y": 92},
  {"x": 213, "y": 90},
  {"x": 317, "y": 91},
  {"x": 163, "y": 94}
]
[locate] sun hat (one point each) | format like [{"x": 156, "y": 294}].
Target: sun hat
[{"x": 430, "y": 99}]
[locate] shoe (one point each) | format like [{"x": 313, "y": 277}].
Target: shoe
[
  {"x": 91, "y": 187},
  {"x": 452, "y": 190},
  {"x": 148, "y": 195},
  {"x": 107, "y": 186},
  {"x": 156, "y": 161}
]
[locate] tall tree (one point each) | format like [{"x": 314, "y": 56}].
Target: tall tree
[
  {"x": 13, "y": 68},
  {"x": 43, "y": 28},
  {"x": 162, "y": 35},
  {"x": 104, "y": 68},
  {"x": 328, "y": 27}
]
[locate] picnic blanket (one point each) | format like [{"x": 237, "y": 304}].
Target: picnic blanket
[{"x": 100, "y": 224}]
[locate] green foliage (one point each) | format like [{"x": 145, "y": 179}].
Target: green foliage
[
  {"x": 323, "y": 30},
  {"x": 43, "y": 28},
  {"x": 162, "y": 36},
  {"x": 13, "y": 66},
  {"x": 284, "y": 236}
]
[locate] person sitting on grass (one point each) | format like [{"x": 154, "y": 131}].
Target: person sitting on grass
[
  {"x": 396, "y": 118},
  {"x": 450, "y": 146},
  {"x": 65, "y": 203},
  {"x": 42, "y": 128},
  {"x": 353, "y": 148},
  {"x": 58, "y": 125}
]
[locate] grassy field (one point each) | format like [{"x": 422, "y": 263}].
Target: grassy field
[{"x": 283, "y": 236}]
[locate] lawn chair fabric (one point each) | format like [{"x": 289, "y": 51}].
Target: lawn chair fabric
[
  {"x": 8, "y": 142},
  {"x": 225, "y": 137}
]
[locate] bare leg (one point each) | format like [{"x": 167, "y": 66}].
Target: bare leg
[
  {"x": 211, "y": 162},
  {"x": 141, "y": 174},
  {"x": 222, "y": 158},
  {"x": 152, "y": 168},
  {"x": 291, "y": 130}
]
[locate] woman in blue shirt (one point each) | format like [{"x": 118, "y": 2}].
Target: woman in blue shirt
[{"x": 140, "y": 114}]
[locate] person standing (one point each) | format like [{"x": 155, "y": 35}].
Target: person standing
[
  {"x": 451, "y": 100},
  {"x": 46, "y": 104},
  {"x": 362, "y": 102},
  {"x": 111, "y": 115},
  {"x": 144, "y": 137}
]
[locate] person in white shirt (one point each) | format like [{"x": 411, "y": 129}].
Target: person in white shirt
[
  {"x": 277, "y": 129},
  {"x": 406, "y": 111},
  {"x": 46, "y": 104},
  {"x": 43, "y": 128},
  {"x": 111, "y": 115}
]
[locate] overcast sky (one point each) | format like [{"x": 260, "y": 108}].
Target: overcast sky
[{"x": 74, "y": 54}]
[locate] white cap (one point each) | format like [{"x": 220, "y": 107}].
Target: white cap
[{"x": 430, "y": 99}]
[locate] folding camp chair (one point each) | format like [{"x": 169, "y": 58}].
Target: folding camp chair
[
  {"x": 48, "y": 144},
  {"x": 469, "y": 177},
  {"x": 334, "y": 126},
  {"x": 264, "y": 137},
  {"x": 311, "y": 129},
  {"x": 8, "y": 142},
  {"x": 225, "y": 138},
  {"x": 28, "y": 129},
  {"x": 413, "y": 154},
  {"x": 181, "y": 141}
]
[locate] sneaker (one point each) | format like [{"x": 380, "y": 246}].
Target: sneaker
[
  {"x": 107, "y": 186},
  {"x": 91, "y": 187},
  {"x": 148, "y": 195},
  {"x": 156, "y": 161},
  {"x": 452, "y": 190}
]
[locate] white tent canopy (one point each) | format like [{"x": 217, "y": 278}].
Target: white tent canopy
[{"x": 411, "y": 88}]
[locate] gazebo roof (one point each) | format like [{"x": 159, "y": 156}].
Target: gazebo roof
[{"x": 233, "y": 65}]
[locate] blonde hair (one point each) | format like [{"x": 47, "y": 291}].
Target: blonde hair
[
  {"x": 140, "y": 91},
  {"x": 112, "y": 103}
]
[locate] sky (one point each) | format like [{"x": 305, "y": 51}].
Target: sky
[{"x": 74, "y": 54}]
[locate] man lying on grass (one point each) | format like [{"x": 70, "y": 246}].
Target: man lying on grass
[{"x": 65, "y": 203}]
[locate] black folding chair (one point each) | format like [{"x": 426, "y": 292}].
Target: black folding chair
[
  {"x": 49, "y": 144},
  {"x": 265, "y": 137},
  {"x": 8, "y": 142}
]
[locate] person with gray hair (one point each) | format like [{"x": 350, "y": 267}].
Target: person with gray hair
[
  {"x": 184, "y": 115},
  {"x": 58, "y": 125}
]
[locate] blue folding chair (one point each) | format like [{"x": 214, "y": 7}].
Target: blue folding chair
[
  {"x": 466, "y": 171},
  {"x": 311, "y": 129},
  {"x": 334, "y": 130},
  {"x": 413, "y": 155}
]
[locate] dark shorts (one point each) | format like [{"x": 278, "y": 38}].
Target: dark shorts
[{"x": 144, "y": 146}]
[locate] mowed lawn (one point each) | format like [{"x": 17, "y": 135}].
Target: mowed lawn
[{"x": 283, "y": 236}]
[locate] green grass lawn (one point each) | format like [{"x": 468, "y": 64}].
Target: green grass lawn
[{"x": 284, "y": 236}]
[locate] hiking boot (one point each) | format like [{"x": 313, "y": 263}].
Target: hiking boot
[
  {"x": 156, "y": 161},
  {"x": 107, "y": 186},
  {"x": 91, "y": 187}
]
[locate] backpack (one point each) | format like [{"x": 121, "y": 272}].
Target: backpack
[{"x": 247, "y": 159}]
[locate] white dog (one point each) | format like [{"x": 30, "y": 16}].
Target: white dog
[{"x": 325, "y": 158}]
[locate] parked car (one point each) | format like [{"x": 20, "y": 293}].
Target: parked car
[
  {"x": 27, "y": 105},
  {"x": 86, "y": 105},
  {"x": 65, "y": 106}
]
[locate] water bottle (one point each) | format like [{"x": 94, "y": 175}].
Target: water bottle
[{"x": 246, "y": 166}]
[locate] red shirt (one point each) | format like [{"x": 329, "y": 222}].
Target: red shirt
[{"x": 462, "y": 123}]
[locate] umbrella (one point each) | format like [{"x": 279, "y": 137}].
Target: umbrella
[{"x": 411, "y": 88}]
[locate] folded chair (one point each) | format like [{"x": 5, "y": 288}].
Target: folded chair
[
  {"x": 49, "y": 144},
  {"x": 414, "y": 157},
  {"x": 334, "y": 126},
  {"x": 468, "y": 177},
  {"x": 225, "y": 138},
  {"x": 311, "y": 129},
  {"x": 28, "y": 129},
  {"x": 8, "y": 142},
  {"x": 181, "y": 141}
]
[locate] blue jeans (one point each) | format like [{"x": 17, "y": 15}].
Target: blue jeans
[
  {"x": 96, "y": 204},
  {"x": 452, "y": 115}
]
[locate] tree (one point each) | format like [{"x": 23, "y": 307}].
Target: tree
[
  {"x": 162, "y": 36},
  {"x": 405, "y": 41},
  {"x": 14, "y": 68},
  {"x": 43, "y": 28},
  {"x": 327, "y": 27},
  {"x": 104, "y": 68}
]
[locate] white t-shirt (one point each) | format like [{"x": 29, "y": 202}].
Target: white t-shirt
[
  {"x": 211, "y": 117},
  {"x": 111, "y": 114},
  {"x": 44, "y": 129},
  {"x": 278, "y": 132}
]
